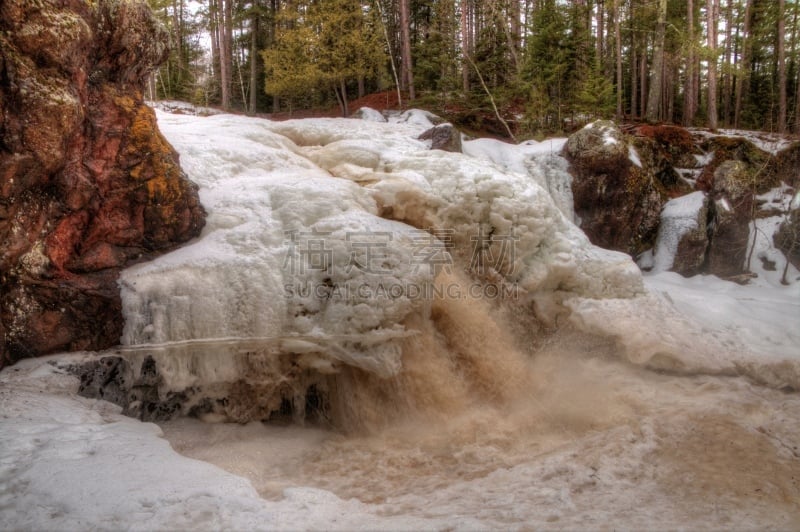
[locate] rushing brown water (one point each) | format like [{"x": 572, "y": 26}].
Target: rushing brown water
[{"x": 495, "y": 421}]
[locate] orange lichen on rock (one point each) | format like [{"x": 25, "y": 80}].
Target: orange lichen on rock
[{"x": 87, "y": 182}]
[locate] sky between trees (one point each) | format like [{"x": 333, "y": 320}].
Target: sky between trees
[{"x": 545, "y": 65}]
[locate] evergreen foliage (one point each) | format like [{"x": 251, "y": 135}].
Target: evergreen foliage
[{"x": 547, "y": 65}]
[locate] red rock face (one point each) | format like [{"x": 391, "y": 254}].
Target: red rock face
[{"x": 87, "y": 182}]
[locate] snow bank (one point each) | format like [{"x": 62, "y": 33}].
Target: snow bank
[
  {"x": 178, "y": 107},
  {"x": 769, "y": 142},
  {"x": 704, "y": 325}
]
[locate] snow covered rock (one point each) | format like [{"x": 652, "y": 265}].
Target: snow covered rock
[
  {"x": 369, "y": 114},
  {"x": 599, "y": 148},
  {"x": 617, "y": 198},
  {"x": 683, "y": 235},
  {"x": 87, "y": 183}
]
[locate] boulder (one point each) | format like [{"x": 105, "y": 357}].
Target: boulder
[
  {"x": 87, "y": 182},
  {"x": 693, "y": 245},
  {"x": 683, "y": 235},
  {"x": 732, "y": 194},
  {"x": 760, "y": 164},
  {"x": 787, "y": 164},
  {"x": 369, "y": 114},
  {"x": 617, "y": 198},
  {"x": 443, "y": 137},
  {"x": 674, "y": 143}
]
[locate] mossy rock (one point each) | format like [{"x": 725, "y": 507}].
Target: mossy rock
[
  {"x": 787, "y": 165},
  {"x": 761, "y": 165}
]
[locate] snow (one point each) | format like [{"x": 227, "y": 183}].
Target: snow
[
  {"x": 704, "y": 159},
  {"x": 70, "y": 463},
  {"x": 678, "y": 217},
  {"x": 174, "y": 106},
  {"x": 778, "y": 199},
  {"x": 539, "y": 160},
  {"x": 762, "y": 252},
  {"x": 611, "y": 136},
  {"x": 232, "y": 283},
  {"x": 633, "y": 155},
  {"x": 568, "y": 430},
  {"x": 415, "y": 117}
]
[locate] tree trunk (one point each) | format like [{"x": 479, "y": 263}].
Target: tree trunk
[
  {"x": 781, "y": 67},
  {"x": 600, "y": 32},
  {"x": 727, "y": 81},
  {"x": 689, "y": 98},
  {"x": 643, "y": 82},
  {"x": 465, "y": 45},
  {"x": 744, "y": 68},
  {"x": 797, "y": 66},
  {"x": 634, "y": 84},
  {"x": 254, "y": 60},
  {"x": 405, "y": 36},
  {"x": 711, "y": 7},
  {"x": 516, "y": 34},
  {"x": 226, "y": 51},
  {"x": 618, "y": 52},
  {"x": 213, "y": 12},
  {"x": 657, "y": 79},
  {"x": 797, "y": 106},
  {"x": 345, "y": 108}
]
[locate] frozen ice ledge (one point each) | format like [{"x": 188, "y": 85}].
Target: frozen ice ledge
[{"x": 327, "y": 242}]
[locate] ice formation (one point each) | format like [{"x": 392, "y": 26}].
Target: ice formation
[
  {"x": 327, "y": 238},
  {"x": 324, "y": 239},
  {"x": 678, "y": 217}
]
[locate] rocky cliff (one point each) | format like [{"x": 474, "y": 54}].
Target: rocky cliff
[
  {"x": 87, "y": 182},
  {"x": 623, "y": 181}
]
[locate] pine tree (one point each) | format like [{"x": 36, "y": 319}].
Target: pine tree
[
  {"x": 654, "y": 102},
  {"x": 327, "y": 45}
]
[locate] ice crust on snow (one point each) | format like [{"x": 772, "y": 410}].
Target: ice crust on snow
[
  {"x": 265, "y": 184},
  {"x": 678, "y": 217}
]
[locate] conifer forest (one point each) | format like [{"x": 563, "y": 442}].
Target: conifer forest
[{"x": 539, "y": 66}]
